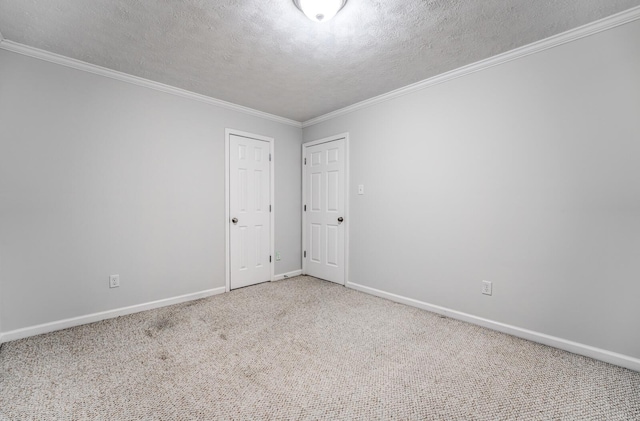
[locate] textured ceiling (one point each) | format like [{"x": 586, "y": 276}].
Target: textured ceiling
[{"x": 268, "y": 56}]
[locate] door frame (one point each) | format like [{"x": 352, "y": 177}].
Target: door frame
[
  {"x": 227, "y": 202},
  {"x": 347, "y": 220}
]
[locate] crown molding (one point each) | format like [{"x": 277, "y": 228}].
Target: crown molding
[
  {"x": 37, "y": 53},
  {"x": 533, "y": 48},
  {"x": 536, "y": 47}
]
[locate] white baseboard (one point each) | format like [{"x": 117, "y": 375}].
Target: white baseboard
[
  {"x": 566, "y": 345},
  {"x": 12, "y": 335},
  {"x": 287, "y": 275}
]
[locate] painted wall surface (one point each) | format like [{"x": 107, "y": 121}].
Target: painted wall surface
[
  {"x": 526, "y": 174},
  {"x": 101, "y": 177}
]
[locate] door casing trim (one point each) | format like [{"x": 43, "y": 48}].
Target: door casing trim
[
  {"x": 347, "y": 220},
  {"x": 227, "y": 203}
]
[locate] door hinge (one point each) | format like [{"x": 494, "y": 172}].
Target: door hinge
[
  {"x": 305, "y": 208},
  {"x": 269, "y": 259},
  {"x": 305, "y": 161},
  {"x": 305, "y": 253},
  {"x": 269, "y": 208},
  {"x": 269, "y": 157}
]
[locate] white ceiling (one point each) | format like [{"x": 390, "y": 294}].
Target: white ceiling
[{"x": 266, "y": 55}]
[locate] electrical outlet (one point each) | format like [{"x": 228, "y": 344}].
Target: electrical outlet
[
  {"x": 277, "y": 256},
  {"x": 486, "y": 287},
  {"x": 360, "y": 188},
  {"x": 114, "y": 281}
]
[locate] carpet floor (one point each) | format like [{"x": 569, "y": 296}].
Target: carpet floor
[{"x": 302, "y": 349}]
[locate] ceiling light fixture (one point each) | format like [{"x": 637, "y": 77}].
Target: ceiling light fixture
[{"x": 320, "y": 10}]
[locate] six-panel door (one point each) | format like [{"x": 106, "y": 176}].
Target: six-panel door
[
  {"x": 249, "y": 210},
  {"x": 324, "y": 216}
]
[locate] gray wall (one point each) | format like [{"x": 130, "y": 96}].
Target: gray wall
[
  {"x": 99, "y": 177},
  {"x": 526, "y": 174}
]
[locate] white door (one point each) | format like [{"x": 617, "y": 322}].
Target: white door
[
  {"x": 324, "y": 210},
  {"x": 249, "y": 211}
]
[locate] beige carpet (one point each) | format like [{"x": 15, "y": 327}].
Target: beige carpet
[{"x": 302, "y": 349}]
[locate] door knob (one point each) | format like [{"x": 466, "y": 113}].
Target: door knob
[
  {"x": 340, "y": 219},
  {"x": 234, "y": 220}
]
